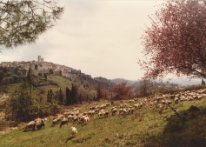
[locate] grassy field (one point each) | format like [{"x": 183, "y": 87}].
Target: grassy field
[{"x": 145, "y": 127}]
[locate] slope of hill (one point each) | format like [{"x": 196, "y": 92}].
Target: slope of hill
[
  {"x": 48, "y": 80},
  {"x": 146, "y": 127},
  {"x": 14, "y": 72}
]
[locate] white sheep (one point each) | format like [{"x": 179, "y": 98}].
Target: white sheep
[
  {"x": 85, "y": 119},
  {"x": 131, "y": 110},
  {"x": 114, "y": 110},
  {"x": 63, "y": 122},
  {"x": 131, "y": 101},
  {"x": 91, "y": 113},
  {"x": 74, "y": 131},
  {"x": 123, "y": 111},
  {"x": 103, "y": 113}
]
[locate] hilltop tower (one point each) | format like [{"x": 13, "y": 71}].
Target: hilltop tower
[{"x": 40, "y": 59}]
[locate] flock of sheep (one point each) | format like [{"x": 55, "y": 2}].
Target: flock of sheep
[
  {"x": 122, "y": 108},
  {"x": 83, "y": 117}
]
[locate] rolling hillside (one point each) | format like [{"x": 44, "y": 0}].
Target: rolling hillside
[{"x": 146, "y": 127}]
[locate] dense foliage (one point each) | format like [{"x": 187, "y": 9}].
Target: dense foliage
[
  {"x": 22, "y": 21},
  {"x": 175, "y": 42},
  {"x": 21, "y": 105}
]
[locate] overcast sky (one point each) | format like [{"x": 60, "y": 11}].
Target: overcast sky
[{"x": 99, "y": 37}]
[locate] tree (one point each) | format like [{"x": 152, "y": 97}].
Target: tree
[
  {"x": 122, "y": 90},
  {"x": 74, "y": 94},
  {"x": 175, "y": 42},
  {"x": 30, "y": 78},
  {"x": 105, "y": 93},
  {"x": 45, "y": 76},
  {"x": 68, "y": 100},
  {"x": 145, "y": 88},
  {"x": 21, "y": 105},
  {"x": 22, "y": 21},
  {"x": 203, "y": 82},
  {"x": 50, "y": 96},
  {"x": 102, "y": 93},
  {"x": 61, "y": 96}
]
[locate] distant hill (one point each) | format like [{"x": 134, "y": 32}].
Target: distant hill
[
  {"x": 185, "y": 81},
  {"x": 120, "y": 80},
  {"x": 181, "y": 81},
  {"x": 137, "y": 83},
  {"x": 14, "y": 72}
]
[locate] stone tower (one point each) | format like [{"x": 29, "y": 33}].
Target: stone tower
[{"x": 40, "y": 59}]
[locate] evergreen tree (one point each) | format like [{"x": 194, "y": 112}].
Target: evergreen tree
[
  {"x": 45, "y": 76},
  {"x": 50, "y": 96},
  {"x": 29, "y": 79},
  {"x": 61, "y": 96},
  {"x": 68, "y": 101},
  {"x": 74, "y": 94}
]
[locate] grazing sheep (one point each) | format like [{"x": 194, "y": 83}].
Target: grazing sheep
[
  {"x": 73, "y": 131},
  {"x": 131, "y": 101},
  {"x": 113, "y": 110},
  {"x": 92, "y": 108},
  {"x": 39, "y": 124},
  {"x": 137, "y": 106},
  {"x": 103, "y": 114},
  {"x": 176, "y": 99},
  {"x": 70, "y": 118},
  {"x": 30, "y": 126},
  {"x": 84, "y": 119},
  {"x": 85, "y": 113},
  {"x": 35, "y": 124},
  {"x": 66, "y": 114},
  {"x": 75, "y": 118},
  {"x": 91, "y": 113},
  {"x": 123, "y": 111},
  {"x": 63, "y": 122},
  {"x": 106, "y": 114},
  {"x": 130, "y": 110},
  {"x": 76, "y": 112},
  {"x": 45, "y": 119},
  {"x": 55, "y": 121}
]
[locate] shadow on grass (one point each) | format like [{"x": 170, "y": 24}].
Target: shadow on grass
[
  {"x": 189, "y": 131},
  {"x": 69, "y": 138}
]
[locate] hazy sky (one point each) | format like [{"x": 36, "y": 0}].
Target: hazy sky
[{"x": 100, "y": 37}]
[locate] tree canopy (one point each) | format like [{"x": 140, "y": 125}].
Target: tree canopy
[
  {"x": 176, "y": 40},
  {"x": 22, "y": 21}
]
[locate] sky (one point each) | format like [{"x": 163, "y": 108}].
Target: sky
[{"x": 99, "y": 37}]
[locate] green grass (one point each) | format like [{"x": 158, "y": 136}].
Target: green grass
[
  {"x": 54, "y": 83},
  {"x": 63, "y": 82},
  {"x": 144, "y": 128}
]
